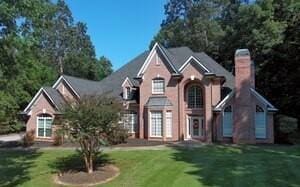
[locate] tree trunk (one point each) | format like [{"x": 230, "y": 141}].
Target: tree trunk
[
  {"x": 60, "y": 64},
  {"x": 88, "y": 164}
]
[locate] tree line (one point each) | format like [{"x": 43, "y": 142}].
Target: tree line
[
  {"x": 270, "y": 29},
  {"x": 39, "y": 40}
]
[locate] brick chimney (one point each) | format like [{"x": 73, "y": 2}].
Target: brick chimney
[{"x": 243, "y": 114}]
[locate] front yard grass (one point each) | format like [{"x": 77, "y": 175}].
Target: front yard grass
[{"x": 213, "y": 165}]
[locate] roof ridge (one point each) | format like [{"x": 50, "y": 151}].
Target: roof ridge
[{"x": 84, "y": 79}]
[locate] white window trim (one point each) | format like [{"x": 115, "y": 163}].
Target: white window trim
[
  {"x": 194, "y": 101},
  {"x": 223, "y": 114},
  {"x": 150, "y": 124},
  {"x": 37, "y": 126},
  {"x": 171, "y": 125},
  {"x": 153, "y": 91},
  {"x": 126, "y": 96}
]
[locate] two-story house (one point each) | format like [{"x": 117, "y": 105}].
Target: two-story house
[{"x": 169, "y": 95}]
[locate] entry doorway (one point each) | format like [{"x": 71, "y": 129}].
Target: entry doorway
[{"x": 195, "y": 127}]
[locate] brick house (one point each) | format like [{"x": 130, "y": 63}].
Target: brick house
[{"x": 170, "y": 94}]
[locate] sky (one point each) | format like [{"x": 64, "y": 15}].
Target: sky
[{"x": 120, "y": 30}]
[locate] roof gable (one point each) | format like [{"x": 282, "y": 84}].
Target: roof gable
[
  {"x": 153, "y": 51},
  {"x": 192, "y": 59},
  {"x": 54, "y": 97},
  {"x": 64, "y": 78}
]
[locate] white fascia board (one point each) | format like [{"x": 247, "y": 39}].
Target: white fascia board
[
  {"x": 224, "y": 101},
  {"x": 196, "y": 60},
  {"x": 127, "y": 80},
  {"x": 149, "y": 57},
  {"x": 62, "y": 78},
  {"x": 264, "y": 100},
  {"x": 34, "y": 99}
]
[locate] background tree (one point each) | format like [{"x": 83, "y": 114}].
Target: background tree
[
  {"x": 38, "y": 41},
  {"x": 104, "y": 67},
  {"x": 91, "y": 122}
]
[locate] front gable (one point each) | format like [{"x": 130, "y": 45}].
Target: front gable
[
  {"x": 65, "y": 88},
  {"x": 196, "y": 63},
  {"x": 192, "y": 71},
  {"x": 40, "y": 102},
  {"x": 157, "y": 55}
]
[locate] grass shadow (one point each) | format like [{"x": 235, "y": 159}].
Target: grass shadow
[
  {"x": 75, "y": 163},
  {"x": 15, "y": 166},
  {"x": 232, "y": 165}
]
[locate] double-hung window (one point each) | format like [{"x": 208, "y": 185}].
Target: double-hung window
[
  {"x": 158, "y": 86},
  {"x": 195, "y": 97},
  {"x": 156, "y": 124},
  {"x": 44, "y": 124},
  {"x": 130, "y": 121}
]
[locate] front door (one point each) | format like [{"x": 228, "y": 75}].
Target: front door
[{"x": 195, "y": 127}]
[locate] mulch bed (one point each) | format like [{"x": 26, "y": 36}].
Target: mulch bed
[{"x": 102, "y": 175}]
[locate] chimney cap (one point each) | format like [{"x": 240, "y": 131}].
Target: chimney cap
[{"x": 242, "y": 52}]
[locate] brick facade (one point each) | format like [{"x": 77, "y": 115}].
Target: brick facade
[{"x": 203, "y": 123}]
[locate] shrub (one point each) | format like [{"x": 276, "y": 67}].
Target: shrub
[
  {"x": 118, "y": 134},
  {"x": 58, "y": 137},
  {"x": 28, "y": 139},
  {"x": 89, "y": 122},
  {"x": 285, "y": 127}
]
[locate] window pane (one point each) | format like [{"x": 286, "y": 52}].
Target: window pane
[
  {"x": 48, "y": 132},
  {"x": 158, "y": 86},
  {"x": 130, "y": 121},
  {"x": 156, "y": 123},
  {"x": 194, "y": 97},
  {"x": 169, "y": 124},
  {"x": 40, "y": 131},
  {"x": 44, "y": 126},
  {"x": 260, "y": 125},
  {"x": 48, "y": 123},
  {"x": 227, "y": 122},
  {"x": 40, "y": 123}
]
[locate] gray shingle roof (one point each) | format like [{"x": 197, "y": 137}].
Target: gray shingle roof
[
  {"x": 157, "y": 101},
  {"x": 112, "y": 83},
  {"x": 55, "y": 96},
  {"x": 83, "y": 86}
]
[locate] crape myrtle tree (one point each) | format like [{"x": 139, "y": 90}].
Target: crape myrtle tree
[{"x": 92, "y": 122}]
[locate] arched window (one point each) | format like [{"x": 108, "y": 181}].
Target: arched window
[
  {"x": 260, "y": 122},
  {"x": 44, "y": 125},
  {"x": 227, "y": 122},
  {"x": 195, "y": 99},
  {"x": 158, "y": 86}
]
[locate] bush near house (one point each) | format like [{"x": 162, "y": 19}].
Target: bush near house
[{"x": 286, "y": 128}]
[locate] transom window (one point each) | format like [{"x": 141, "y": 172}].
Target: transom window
[
  {"x": 44, "y": 124},
  {"x": 156, "y": 124},
  {"x": 195, "y": 97},
  {"x": 130, "y": 121},
  {"x": 158, "y": 86}
]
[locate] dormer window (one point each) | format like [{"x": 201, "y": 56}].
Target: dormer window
[
  {"x": 158, "y": 86},
  {"x": 127, "y": 93}
]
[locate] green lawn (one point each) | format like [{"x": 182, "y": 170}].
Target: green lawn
[{"x": 214, "y": 165}]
